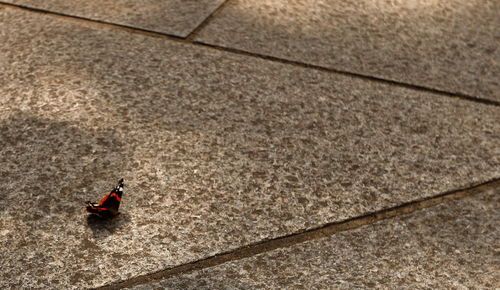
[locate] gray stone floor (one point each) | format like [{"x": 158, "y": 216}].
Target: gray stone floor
[
  {"x": 175, "y": 17},
  {"x": 239, "y": 123},
  {"x": 448, "y": 45},
  {"x": 420, "y": 250}
]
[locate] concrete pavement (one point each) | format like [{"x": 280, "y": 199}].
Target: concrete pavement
[{"x": 243, "y": 123}]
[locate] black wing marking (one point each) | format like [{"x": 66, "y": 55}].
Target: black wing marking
[{"x": 109, "y": 204}]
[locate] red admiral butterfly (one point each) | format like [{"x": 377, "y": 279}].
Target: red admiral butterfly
[{"x": 109, "y": 204}]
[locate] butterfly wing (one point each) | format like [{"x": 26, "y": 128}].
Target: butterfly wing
[
  {"x": 100, "y": 211},
  {"x": 113, "y": 199},
  {"x": 109, "y": 204}
]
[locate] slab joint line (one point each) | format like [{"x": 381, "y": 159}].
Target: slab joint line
[
  {"x": 125, "y": 27},
  {"x": 207, "y": 20},
  {"x": 188, "y": 40},
  {"x": 308, "y": 235},
  {"x": 350, "y": 74}
]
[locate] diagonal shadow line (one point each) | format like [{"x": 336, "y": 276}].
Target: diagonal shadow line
[
  {"x": 312, "y": 234},
  {"x": 188, "y": 40}
]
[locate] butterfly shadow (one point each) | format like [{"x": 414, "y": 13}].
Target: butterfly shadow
[{"x": 104, "y": 227}]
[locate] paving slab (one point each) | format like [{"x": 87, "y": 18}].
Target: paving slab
[
  {"x": 217, "y": 150},
  {"x": 175, "y": 17},
  {"x": 450, "y": 246},
  {"x": 441, "y": 44}
]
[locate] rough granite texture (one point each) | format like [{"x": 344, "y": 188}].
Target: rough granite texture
[
  {"x": 450, "y": 246},
  {"x": 176, "y": 17},
  {"x": 452, "y": 45},
  {"x": 217, "y": 150}
]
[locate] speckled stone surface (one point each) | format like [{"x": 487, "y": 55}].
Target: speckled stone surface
[
  {"x": 447, "y": 45},
  {"x": 217, "y": 150},
  {"x": 176, "y": 17},
  {"x": 451, "y": 246}
]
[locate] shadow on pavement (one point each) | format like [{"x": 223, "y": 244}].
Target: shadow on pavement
[
  {"x": 103, "y": 227},
  {"x": 46, "y": 164}
]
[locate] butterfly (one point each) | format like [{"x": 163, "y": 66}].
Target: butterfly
[{"x": 109, "y": 204}]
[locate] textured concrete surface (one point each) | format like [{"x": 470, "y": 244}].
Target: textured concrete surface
[
  {"x": 176, "y": 17},
  {"x": 217, "y": 150},
  {"x": 443, "y": 44},
  {"x": 418, "y": 251}
]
